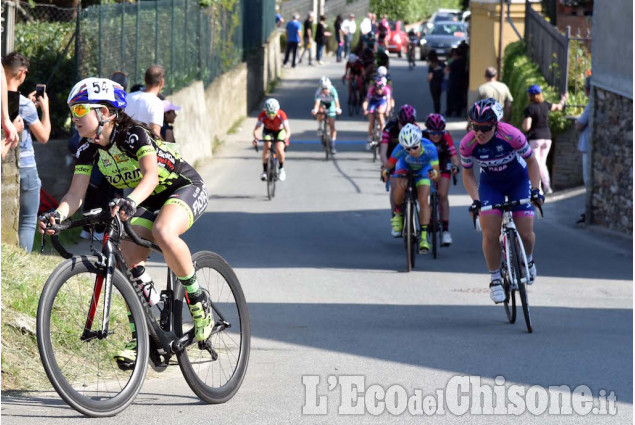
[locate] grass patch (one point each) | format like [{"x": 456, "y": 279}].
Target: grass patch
[
  {"x": 23, "y": 277},
  {"x": 236, "y": 126}
]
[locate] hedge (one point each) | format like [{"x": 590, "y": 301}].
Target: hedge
[{"x": 519, "y": 72}]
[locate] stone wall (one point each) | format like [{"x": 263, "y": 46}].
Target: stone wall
[
  {"x": 10, "y": 198},
  {"x": 611, "y": 195},
  {"x": 566, "y": 171}
]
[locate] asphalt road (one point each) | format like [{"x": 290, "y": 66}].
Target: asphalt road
[{"x": 330, "y": 303}]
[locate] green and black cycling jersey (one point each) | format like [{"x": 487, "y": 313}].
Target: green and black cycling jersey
[
  {"x": 179, "y": 183},
  {"x": 119, "y": 161}
]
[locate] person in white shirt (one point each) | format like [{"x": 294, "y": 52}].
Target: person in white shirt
[
  {"x": 145, "y": 106},
  {"x": 348, "y": 28}
]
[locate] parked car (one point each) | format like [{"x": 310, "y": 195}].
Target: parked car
[
  {"x": 439, "y": 16},
  {"x": 445, "y": 36},
  {"x": 397, "y": 41}
]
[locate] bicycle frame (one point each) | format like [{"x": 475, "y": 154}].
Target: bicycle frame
[
  {"x": 111, "y": 257},
  {"x": 507, "y": 227}
]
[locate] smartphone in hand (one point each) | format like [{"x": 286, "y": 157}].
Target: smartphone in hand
[{"x": 39, "y": 90}]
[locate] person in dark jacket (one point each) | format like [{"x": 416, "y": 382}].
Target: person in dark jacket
[{"x": 436, "y": 69}]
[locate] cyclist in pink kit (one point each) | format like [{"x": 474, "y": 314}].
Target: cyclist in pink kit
[
  {"x": 378, "y": 98},
  {"x": 508, "y": 168}
]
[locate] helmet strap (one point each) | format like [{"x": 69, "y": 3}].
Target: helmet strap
[{"x": 102, "y": 121}]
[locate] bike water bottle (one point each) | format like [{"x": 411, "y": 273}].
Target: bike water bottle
[{"x": 144, "y": 280}]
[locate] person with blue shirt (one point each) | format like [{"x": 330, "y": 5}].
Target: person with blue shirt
[
  {"x": 419, "y": 155},
  {"x": 17, "y": 68},
  {"x": 294, "y": 33}
]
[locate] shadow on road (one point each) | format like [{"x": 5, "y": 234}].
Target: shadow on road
[{"x": 467, "y": 340}]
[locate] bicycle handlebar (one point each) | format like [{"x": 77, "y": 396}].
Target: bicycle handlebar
[
  {"x": 505, "y": 206},
  {"x": 96, "y": 216}
]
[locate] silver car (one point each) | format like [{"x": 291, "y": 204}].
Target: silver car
[{"x": 445, "y": 36}]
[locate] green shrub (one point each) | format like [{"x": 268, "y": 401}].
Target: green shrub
[
  {"x": 43, "y": 43},
  {"x": 519, "y": 72}
]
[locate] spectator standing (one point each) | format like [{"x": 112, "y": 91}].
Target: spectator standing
[
  {"x": 436, "y": 76},
  {"x": 339, "y": 37},
  {"x": 536, "y": 125},
  {"x": 320, "y": 38},
  {"x": 17, "y": 68},
  {"x": 294, "y": 33},
  {"x": 145, "y": 106},
  {"x": 307, "y": 37},
  {"x": 348, "y": 28},
  {"x": 497, "y": 90},
  {"x": 456, "y": 82},
  {"x": 167, "y": 131},
  {"x": 279, "y": 18}
]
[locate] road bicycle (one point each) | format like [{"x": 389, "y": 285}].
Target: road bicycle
[
  {"x": 272, "y": 168},
  {"x": 435, "y": 228},
  {"x": 355, "y": 98},
  {"x": 325, "y": 137},
  {"x": 411, "y": 227},
  {"x": 90, "y": 307},
  {"x": 514, "y": 265},
  {"x": 411, "y": 55},
  {"x": 375, "y": 139}
]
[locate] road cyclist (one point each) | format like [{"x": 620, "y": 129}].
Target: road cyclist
[
  {"x": 276, "y": 131},
  {"x": 390, "y": 140},
  {"x": 448, "y": 164},
  {"x": 508, "y": 169},
  {"x": 353, "y": 75},
  {"x": 419, "y": 155},
  {"x": 129, "y": 155},
  {"x": 328, "y": 104},
  {"x": 376, "y": 105}
]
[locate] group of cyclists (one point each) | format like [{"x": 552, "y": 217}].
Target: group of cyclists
[
  {"x": 132, "y": 157},
  {"x": 507, "y": 164}
]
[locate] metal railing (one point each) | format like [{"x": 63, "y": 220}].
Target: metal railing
[
  {"x": 191, "y": 42},
  {"x": 562, "y": 58}
]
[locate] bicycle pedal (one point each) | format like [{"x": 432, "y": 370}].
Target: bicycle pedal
[{"x": 125, "y": 365}]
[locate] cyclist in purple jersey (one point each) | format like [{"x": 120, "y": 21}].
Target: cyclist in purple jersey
[
  {"x": 508, "y": 168},
  {"x": 378, "y": 98}
]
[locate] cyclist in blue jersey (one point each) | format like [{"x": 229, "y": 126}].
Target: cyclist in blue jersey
[
  {"x": 508, "y": 168},
  {"x": 129, "y": 155},
  {"x": 419, "y": 155},
  {"x": 327, "y": 101}
]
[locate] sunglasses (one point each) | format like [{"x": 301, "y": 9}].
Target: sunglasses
[
  {"x": 81, "y": 109},
  {"x": 412, "y": 148},
  {"x": 271, "y": 114},
  {"x": 435, "y": 133},
  {"x": 482, "y": 128}
]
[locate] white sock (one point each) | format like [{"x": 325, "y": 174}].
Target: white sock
[
  {"x": 495, "y": 274},
  {"x": 530, "y": 257}
]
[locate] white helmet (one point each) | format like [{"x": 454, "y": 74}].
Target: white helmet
[
  {"x": 352, "y": 58},
  {"x": 382, "y": 71},
  {"x": 272, "y": 106},
  {"x": 410, "y": 136},
  {"x": 325, "y": 83}
]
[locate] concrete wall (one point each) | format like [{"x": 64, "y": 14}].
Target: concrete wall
[
  {"x": 485, "y": 33},
  {"x": 612, "y": 50},
  {"x": 265, "y": 67}
]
